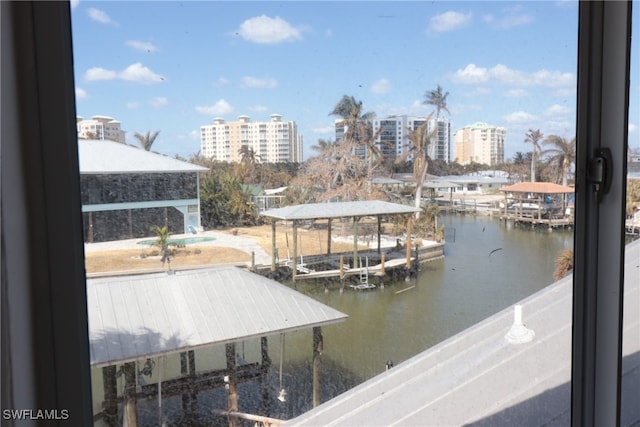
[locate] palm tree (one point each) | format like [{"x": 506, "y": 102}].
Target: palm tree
[
  {"x": 419, "y": 141},
  {"x": 248, "y": 155},
  {"x": 163, "y": 235},
  {"x": 563, "y": 155},
  {"x": 357, "y": 124},
  {"x": 438, "y": 99},
  {"x": 518, "y": 158},
  {"x": 323, "y": 145},
  {"x": 533, "y": 137},
  {"x": 146, "y": 140},
  {"x": 564, "y": 264}
]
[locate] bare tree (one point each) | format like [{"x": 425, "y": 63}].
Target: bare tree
[{"x": 417, "y": 149}]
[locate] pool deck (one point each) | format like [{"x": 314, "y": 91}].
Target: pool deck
[{"x": 245, "y": 244}]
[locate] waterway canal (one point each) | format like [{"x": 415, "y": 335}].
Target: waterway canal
[{"x": 487, "y": 267}]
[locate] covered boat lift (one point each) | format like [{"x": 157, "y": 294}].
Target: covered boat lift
[
  {"x": 330, "y": 211},
  {"x": 152, "y": 315},
  {"x": 535, "y": 193}
]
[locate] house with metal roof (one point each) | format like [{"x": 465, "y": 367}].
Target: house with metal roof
[
  {"x": 472, "y": 184},
  {"x": 125, "y": 190},
  {"x": 148, "y": 327}
]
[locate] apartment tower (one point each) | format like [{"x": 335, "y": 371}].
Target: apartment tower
[
  {"x": 480, "y": 143},
  {"x": 100, "y": 128},
  {"x": 272, "y": 142},
  {"x": 393, "y": 139}
]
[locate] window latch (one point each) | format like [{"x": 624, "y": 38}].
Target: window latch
[{"x": 600, "y": 171}]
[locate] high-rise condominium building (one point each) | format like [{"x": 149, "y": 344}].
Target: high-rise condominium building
[
  {"x": 272, "y": 142},
  {"x": 100, "y": 127},
  {"x": 393, "y": 139},
  {"x": 480, "y": 143}
]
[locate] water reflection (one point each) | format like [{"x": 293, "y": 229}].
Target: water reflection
[{"x": 471, "y": 283}]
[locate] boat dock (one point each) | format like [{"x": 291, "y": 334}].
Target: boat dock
[{"x": 378, "y": 270}]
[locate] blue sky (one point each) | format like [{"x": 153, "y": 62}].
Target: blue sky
[{"x": 174, "y": 66}]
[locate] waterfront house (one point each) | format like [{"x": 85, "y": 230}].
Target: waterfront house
[{"x": 125, "y": 190}]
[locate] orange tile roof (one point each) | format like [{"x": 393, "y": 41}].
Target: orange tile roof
[{"x": 537, "y": 187}]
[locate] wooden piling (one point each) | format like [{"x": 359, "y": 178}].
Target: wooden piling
[
  {"x": 379, "y": 231},
  {"x": 329, "y": 236},
  {"x": 355, "y": 242},
  {"x": 317, "y": 352},
  {"x": 294, "y": 261},
  {"x": 341, "y": 273},
  {"x": 408, "y": 242},
  {"x": 230, "y": 351},
  {"x": 382, "y": 272},
  {"x": 274, "y": 250},
  {"x": 131, "y": 417},
  {"x": 110, "y": 395},
  {"x": 264, "y": 366}
]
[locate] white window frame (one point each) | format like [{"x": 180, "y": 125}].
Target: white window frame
[{"x": 45, "y": 349}]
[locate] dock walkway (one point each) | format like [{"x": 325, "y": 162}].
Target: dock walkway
[{"x": 375, "y": 270}]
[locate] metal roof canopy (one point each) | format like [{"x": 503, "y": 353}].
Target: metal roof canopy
[
  {"x": 143, "y": 315},
  {"x": 339, "y": 210},
  {"x": 109, "y": 157}
]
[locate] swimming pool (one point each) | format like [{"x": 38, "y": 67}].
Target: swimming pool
[{"x": 179, "y": 242}]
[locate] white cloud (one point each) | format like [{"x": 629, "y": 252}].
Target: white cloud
[
  {"x": 136, "y": 73},
  {"x": 565, "y": 93},
  {"x": 99, "y": 16},
  {"x": 449, "y": 21},
  {"x": 381, "y": 86},
  {"x": 519, "y": 117},
  {"x": 557, "y": 110},
  {"x": 142, "y": 46},
  {"x": 74, "y": 3},
  {"x": 557, "y": 127},
  {"x": 262, "y": 83},
  {"x": 263, "y": 29},
  {"x": 459, "y": 109},
  {"x": 472, "y": 74},
  {"x": 95, "y": 74},
  {"x": 159, "y": 101},
  {"x": 221, "y": 81},
  {"x": 511, "y": 17},
  {"x": 132, "y": 105},
  {"x": 81, "y": 94},
  {"x": 220, "y": 108},
  {"x": 517, "y": 93},
  {"x": 633, "y": 128},
  {"x": 479, "y": 91},
  {"x": 258, "y": 108},
  {"x": 324, "y": 130},
  {"x": 194, "y": 134}
]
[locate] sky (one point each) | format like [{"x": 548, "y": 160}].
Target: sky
[{"x": 173, "y": 66}]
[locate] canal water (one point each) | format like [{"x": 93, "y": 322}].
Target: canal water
[{"x": 487, "y": 267}]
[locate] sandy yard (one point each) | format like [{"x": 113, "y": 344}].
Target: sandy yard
[{"x": 311, "y": 241}]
